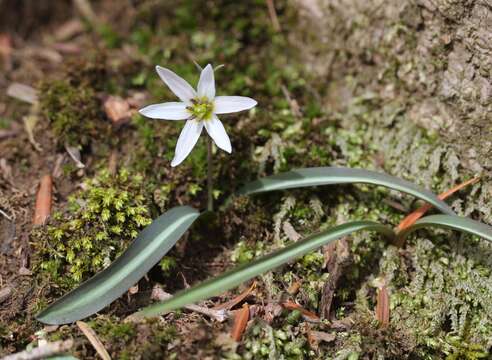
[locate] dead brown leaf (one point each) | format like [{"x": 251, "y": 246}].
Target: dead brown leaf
[
  {"x": 308, "y": 315},
  {"x": 43, "y": 201},
  {"x": 382, "y": 307},
  {"x": 117, "y": 109},
  {"x": 240, "y": 322}
]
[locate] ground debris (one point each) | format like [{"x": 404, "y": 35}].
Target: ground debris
[
  {"x": 220, "y": 315},
  {"x": 240, "y": 321},
  {"x": 337, "y": 257},
  {"x": 23, "y": 92},
  {"x": 42, "y": 351},
  {"x": 43, "y": 200},
  {"x": 230, "y": 304},
  {"x": 94, "y": 340},
  {"x": 117, "y": 109}
]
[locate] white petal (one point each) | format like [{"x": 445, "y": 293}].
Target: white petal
[
  {"x": 206, "y": 84},
  {"x": 166, "y": 111},
  {"x": 187, "y": 140},
  {"x": 177, "y": 84},
  {"x": 232, "y": 104},
  {"x": 216, "y": 130}
]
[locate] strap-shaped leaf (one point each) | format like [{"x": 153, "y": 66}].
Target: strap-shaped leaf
[
  {"x": 451, "y": 222},
  {"x": 256, "y": 267},
  {"x": 146, "y": 250},
  {"x": 334, "y": 175}
]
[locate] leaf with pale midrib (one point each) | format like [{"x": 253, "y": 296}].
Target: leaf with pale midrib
[
  {"x": 144, "y": 252},
  {"x": 244, "y": 272},
  {"x": 337, "y": 175}
]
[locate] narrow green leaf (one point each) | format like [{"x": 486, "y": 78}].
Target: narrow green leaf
[
  {"x": 334, "y": 175},
  {"x": 451, "y": 222},
  {"x": 256, "y": 267},
  {"x": 106, "y": 286}
]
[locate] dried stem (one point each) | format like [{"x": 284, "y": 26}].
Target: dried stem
[
  {"x": 210, "y": 185},
  {"x": 219, "y": 315}
]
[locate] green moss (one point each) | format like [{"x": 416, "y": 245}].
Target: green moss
[
  {"x": 112, "y": 329},
  {"x": 73, "y": 111},
  {"x": 245, "y": 252},
  {"x": 167, "y": 264},
  {"x": 288, "y": 342},
  {"x": 96, "y": 226}
]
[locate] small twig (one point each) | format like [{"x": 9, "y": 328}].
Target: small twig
[
  {"x": 6, "y": 216},
  {"x": 210, "y": 185},
  {"x": 410, "y": 219},
  {"x": 306, "y": 314},
  {"x": 273, "y": 15},
  {"x": 219, "y": 315},
  {"x": 43, "y": 351},
  {"x": 230, "y": 304},
  {"x": 94, "y": 340}
]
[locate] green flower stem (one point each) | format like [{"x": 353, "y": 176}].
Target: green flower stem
[{"x": 210, "y": 185}]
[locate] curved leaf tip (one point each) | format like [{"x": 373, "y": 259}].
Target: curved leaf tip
[
  {"x": 144, "y": 252},
  {"x": 338, "y": 175}
]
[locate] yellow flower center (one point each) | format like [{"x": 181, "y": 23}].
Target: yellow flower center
[{"x": 201, "y": 109}]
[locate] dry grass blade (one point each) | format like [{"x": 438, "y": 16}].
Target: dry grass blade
[
  {"x": 43, "y": 201},
  {"x": 382, "y": 307},
  {"x": 230, "y": 304},
  {"x": 94, "y": 340},
  {"x": 410, "y": 219},
  {"x": 240, "y": 322},
  {"x": 308, "y": 315}
]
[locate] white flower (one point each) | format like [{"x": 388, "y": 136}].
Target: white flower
[{"x": 199, "y": 108}]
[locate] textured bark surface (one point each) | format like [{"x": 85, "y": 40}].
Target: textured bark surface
[
  {"x": 433, "y": 55},
  {"x": 414, "y": 78}
]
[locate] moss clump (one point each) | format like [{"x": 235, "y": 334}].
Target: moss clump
[
  {"x": 71, "y": 110},
  {"x": 96, "y": 226},
  {"x": 126, "y": 340},
  {"x": 287, "y": 342}
]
